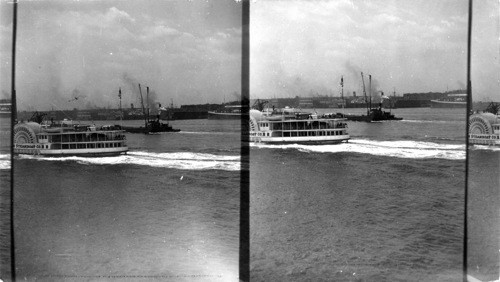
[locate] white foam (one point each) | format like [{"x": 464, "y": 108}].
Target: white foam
[
  {"x": 4, "y": 161},
  {"x": 431, "y": 121},
  {"x": 4, "y": 164},
  {"x": 207, "y": 132},
  {"x": 398, "y": 149},
  {"x": 485, "y": 148},
  {"x": 176, "y": 160}
]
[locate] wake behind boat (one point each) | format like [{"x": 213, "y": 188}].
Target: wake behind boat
[
  {"x": 68, "y": 138},
  {"x": 292, "y": 126}
]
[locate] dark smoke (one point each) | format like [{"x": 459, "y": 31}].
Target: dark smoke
[{"x": 132, "y": 85}]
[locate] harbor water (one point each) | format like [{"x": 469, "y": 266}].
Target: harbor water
[
  {"x": 386, "y": 206},
  {"x": 168, "y": 210}
]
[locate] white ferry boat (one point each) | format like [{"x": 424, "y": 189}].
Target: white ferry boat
[
  {"x": 484, "y": 129},
  {"x": 68, "y": 138},
  {"x": 292, "y": 126}
]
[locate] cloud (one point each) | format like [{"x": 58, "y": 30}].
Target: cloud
[
  {"x": 397, "y": 42},
  {"x": 68, "y": 46},
  {"x": 160, "y": 31}
]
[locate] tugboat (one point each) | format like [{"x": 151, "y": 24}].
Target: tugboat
[
  {"x": 372, "y": 114},
  {"x": 377, "y": 114},
  {"x": 150, "y": 126}
]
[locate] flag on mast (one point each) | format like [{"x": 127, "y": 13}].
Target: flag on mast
[
  {"x": 120, "y": 93},
  {"x": 342, "y": 81}
]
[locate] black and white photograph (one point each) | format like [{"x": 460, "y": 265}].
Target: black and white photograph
[
  {"x": 483, "y": 158},
  {"x": 250, "y": 140},
  {"x": 119, "y": 171},
  {"x": 359, "y": 155}
]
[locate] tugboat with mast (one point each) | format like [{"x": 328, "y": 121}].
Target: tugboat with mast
[
  {"x": 150, "y": 125},
  {"x": 372, "y": 114}
]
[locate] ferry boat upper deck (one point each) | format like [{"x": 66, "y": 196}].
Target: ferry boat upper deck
[
  {"x": 292, "y": 126},
  {"x": 68, "y": 138}
]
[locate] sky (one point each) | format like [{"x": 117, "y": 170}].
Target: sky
[
  {"x": 303, "y": 48},
  {"x": 78, "y": 54}
]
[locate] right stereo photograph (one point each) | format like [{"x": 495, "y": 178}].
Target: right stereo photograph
[{"x": 374, "y": 140}]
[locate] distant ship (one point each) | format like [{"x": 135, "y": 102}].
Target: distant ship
[
  {"x": 228, "y": 112},
  {"x": 451, "y": 101},
  {"x": 292, "y": 126},
  {"x": 5, "y": 108}
]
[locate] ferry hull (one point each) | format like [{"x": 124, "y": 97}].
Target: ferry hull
[
  {"x": 68, "y": 139},
  {"x": 299, "y": 140},
  {"x": 97, "y": 152},
  {"x": 484, "y": 139}
]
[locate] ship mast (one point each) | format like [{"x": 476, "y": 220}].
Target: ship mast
[
  {"x": 370, "y": 89},
  {"x": 364, "y": 93},
  {"x": 342, "y": 90},
  {"x": 121, "y": 112},
  {"x": 147, "y": 101},
  {"x": 143, "y": 112}
]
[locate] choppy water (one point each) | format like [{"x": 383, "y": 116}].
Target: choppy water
[
  {"x": 387, "y": 206},
  {"x": 483, "y": 207},
  {"x": 167, "y": 210}
]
